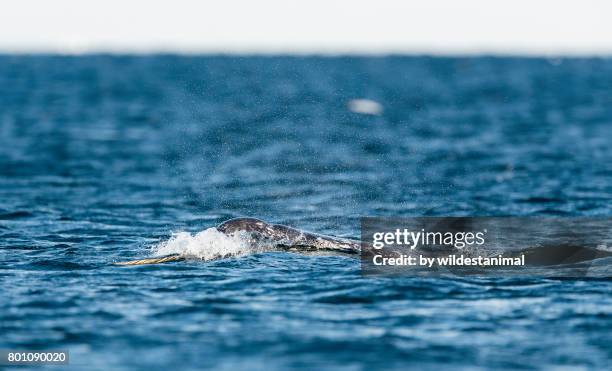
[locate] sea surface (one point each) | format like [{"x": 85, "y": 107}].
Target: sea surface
[{"x": 107, "y": 158}]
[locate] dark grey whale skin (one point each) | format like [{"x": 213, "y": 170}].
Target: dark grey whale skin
[{"x": 288, "y": 238}]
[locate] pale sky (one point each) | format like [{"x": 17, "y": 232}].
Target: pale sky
[{"x": 540, "y": 27}]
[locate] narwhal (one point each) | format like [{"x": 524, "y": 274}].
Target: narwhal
[{"x": 279, "y": 237}]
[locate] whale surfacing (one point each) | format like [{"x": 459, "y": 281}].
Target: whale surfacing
[
  {"x": 275, "y": 237},
  {"x": 287, "y": 238}
]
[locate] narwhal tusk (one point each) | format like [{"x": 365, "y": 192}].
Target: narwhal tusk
[{"x": 161, "y": 259}]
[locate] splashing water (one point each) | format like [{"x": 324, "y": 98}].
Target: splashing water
[{"x": 210, "y": 244}]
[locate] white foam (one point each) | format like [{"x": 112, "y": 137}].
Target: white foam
[
  {"x": 209, "y": 244},
  {"x": 365, "y": 107}
]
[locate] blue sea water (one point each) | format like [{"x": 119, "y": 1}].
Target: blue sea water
[{"x": 104, "y": 157}]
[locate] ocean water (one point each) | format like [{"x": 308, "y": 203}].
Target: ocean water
[{"x": 110, "y": 158}]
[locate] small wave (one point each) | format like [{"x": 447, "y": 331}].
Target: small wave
[
  {"x": 15, "y": 215},
  {"x": 51, "y": 264},
  {"x": 210, "y": 244}
]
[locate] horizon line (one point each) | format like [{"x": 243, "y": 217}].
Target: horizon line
[{"x": 323, "y": 52}]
